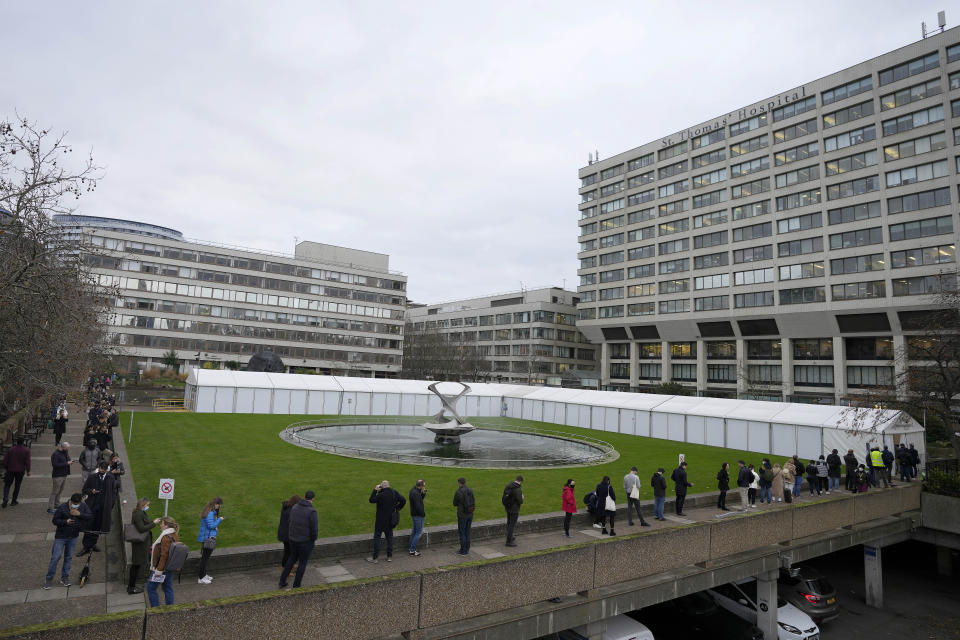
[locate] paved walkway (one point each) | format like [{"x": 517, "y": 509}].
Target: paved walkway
[{"x": 26, "y": 532}]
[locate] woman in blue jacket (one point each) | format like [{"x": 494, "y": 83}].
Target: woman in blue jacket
[{"x": 210, "y": 519}]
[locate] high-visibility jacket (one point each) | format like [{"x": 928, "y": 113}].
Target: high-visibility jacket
[{"x": 876, "y": 459}]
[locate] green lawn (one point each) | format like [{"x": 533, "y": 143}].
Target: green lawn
[{"x": 241, "y": 458}]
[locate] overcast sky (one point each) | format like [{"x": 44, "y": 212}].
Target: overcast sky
[{"x": 445, "y": 134}]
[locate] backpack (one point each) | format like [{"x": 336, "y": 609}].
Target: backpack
[
  {"x": 811, "y": 469},
  {"x": 176, "y": 557},
  {"x": 591, "y": 501},
  {"x": 507, "y": 498},
  {"x": 768, "y": 475}
]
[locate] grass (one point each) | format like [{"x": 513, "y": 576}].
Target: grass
[{"x": 240, "y": 458}]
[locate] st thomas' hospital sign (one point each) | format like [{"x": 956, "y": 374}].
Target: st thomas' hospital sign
[{"x": 743, "y": 114}]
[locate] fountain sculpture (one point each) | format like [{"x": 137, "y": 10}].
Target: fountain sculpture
[{"x": 449, "y": 431}]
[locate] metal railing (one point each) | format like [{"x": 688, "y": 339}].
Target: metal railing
[
  {"x": 168, "y": 404},
  {"x": 606, "y": 451}
]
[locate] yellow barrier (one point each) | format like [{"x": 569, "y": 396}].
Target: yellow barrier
[{"x": 168, "y": 404}]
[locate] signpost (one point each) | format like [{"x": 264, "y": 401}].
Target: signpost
[
  {"x": 682, "y": 458},
  {"x": 166, "y": 493}
]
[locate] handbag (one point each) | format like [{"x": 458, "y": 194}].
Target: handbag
[
  {"x": 635, "y": 493},
  {"x": 209, "y": 544},
  {"x": 610, "y": 505},
  {"x": 132, "y": 534},
  {"x": 394, "y": 519}
]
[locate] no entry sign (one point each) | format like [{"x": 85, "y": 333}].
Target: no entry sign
[{"x": 166, "y": 488}]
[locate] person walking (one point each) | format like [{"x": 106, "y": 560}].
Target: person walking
[
  {"x": 169, "y": 533},
  {"x": 851, "y": 464},
  {"x": 16, "y": 461},
  {"x": 283, "y": 529},
  {"x": 89, "y": 459},
  {"x": 138, "y": 550},
  {"x": 464, "y": 501},
  {"x": 302, "y": 533},
  {"x": 659, "y": 485},
  {"x": 822, "y": 475},
  {"x": 744, "y": 478},
  {"x": 388, "y": 502},
  {"x": 812, "y": 480},
  {"x": 70, "y": 517},
  {"x": 512, "y": 501},
  {"x": 60, "y": 461},
  {"x": 631, "y": 489},
  {"x": 101, "y": 494},
  {"x": 723, "y": 484},
  {"x": 569, "y": 505},
  {"x": 210, "y": 520},
  {"x": 679, "y": 477},
  {"x": 834, "y": 465},
  {"x": 417, "y": 514},
  {"x": 776, "y": 484},
  {"x": 60, "y": 424}
]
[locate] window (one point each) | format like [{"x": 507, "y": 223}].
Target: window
[
  {"x": 749, "y": 124},
  {"x": 683, "y": 350},
  {"x": 913, "y": 120},
  {"x": 813, "y": 375},
  {"x": 589, "y": 212},
  {"x": 672, "y": 151},
  {"x": 640, "y": 198},
  {"x": 640, "y": 216},
  {"x": 640, "y": 290},
  {"x": 611, "y": 258},
  {"x": 907, "y": 69},
  {"x": 611, "y": 206},
  {"x": 638, "y": 253},
  {"x": 642, "y": 271},
  {"x": 674, "y": 226},
  {"x": 802, "y": 271},
  {"x": 588, "y": 180},
  {"x": 709, "y": 219},
  {"x": 924, "y": 285},
  {"x": 854, "y": 213},
  {"x": 611, "y": 241},
  {"x": 751, "y": 210},
  {"x": 650, "y": 350},
  {"x": 588, "y": 196},
  {"x": 639, "y": 163},
  {"x": 850, "y": 138},
  {"x": 851, "y": 163},
  {"x": 750, "y": 166},
  {"x": 640, "y": 180},
  {"x": 672, "y": 169},
  {"x": 588, "y": 279},
  {"x": 918, "y": 201},
  {"x": 857, "y": 264},
  {"x": 754, "y": 276},
  {"x": 753, "y": 254},
  {"x": 953, "y": 53},
  {"x": 611, "y": 189},
  {"x": 721, "y": 373},
  {"x": 799, "y": 199},
  {"x": 713, "y": 177},
  {"x": 719, "y": 155},
  {"x": 611, "y": 276},
  {"x": 588, "y": 263},
  {"x": 797, "y": 176},
  {"x": 710, "y": 260},
  {"x": 675, "y": 266},
  {"x": 802, "y": 295},
  {"x": 620, "y": 351},
  {"x": 858, "y": 290},
  {"x": 587, "y": 229},
  {"x": 800, "y": 247},
  {"x": 674, "y": 188},
  {"x": 795, "y": 131},
  {"x": 671, "y": 208},
  {"x": 793, "y": 154},
  {"x": 869, "y": 376},
  {"x": 675, "y": 306},
  {"x": 748, "y": 189},
  {"x": 641, "y": 234},
  {"x": 799, "y": 223},
  {"x": 708, "y": 138},
  {"x": 612, "y": 172},
  {"x": 675, "y": 286},
  {"x": 847, "y": 90},
  {"x": 709, "y": 199},
  {"x": 674, "y": 246},
  {"x": 748, "y": 146},
  {"x": 710, "y": 240},
  {"x": 582, "y": 314},
  {"x": 942, "y": 254},
  {"x": 857, "y": 238},
  {"x": 852, "y": 188},
  {"x": 763, "y": 349},
  {"x": 752, "y": 232},
  {"x": 911, "y": 94},
  {"x": 813, "y": 349},
  {"x": 641, "y": 309},
  {"x": 848, "y": 114},
  {"x": 611, "y": 223},
  {"x": 588, "y": 245},
  {"x": 921, "y": 228},
  {"x": 588, "y": 296},
  {"x": 919, "y": 173},
  {"x": 610, "y": 312},
  {"x": 613, "y": 293},
  {"x": 795, "y": 109},
  {"x": 711, "y": 282},
  {"x": 764, "y": 374},
  {"x": 683, "y": 372}
]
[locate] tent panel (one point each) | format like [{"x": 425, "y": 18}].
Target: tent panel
[
  {"x": 643, "y": 424},
  {"x": 714, "y": 432},
  {"x": 696, "y": 426},
  {"x": 611, "y": 419},
  {"x": 675, "y": 426},
  {"x": 737, "y": 435},
  {"x": 244, "y": 400},
  {"x": 658, "y": 426},
  {"x": 759, "y": 436},
  {"x": 224, "y": 402},
  {"x": 281, "y": 401},
  {"x": 331, "y": 402},
  {"x": 315, "y": 402},
  {"x": 261, "y": 400},
  {"x": 378, "y": 404},
  {"x": 362, "y": 407},
  {"x": 206, "y": 400},
  {"x": 809, "y": 445},
  {"x": 392, "y": 407},
  {"x": 784, "y": 440},
  {"x": 298, "y": 401}
]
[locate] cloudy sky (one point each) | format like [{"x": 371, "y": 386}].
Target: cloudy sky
[{"x": 445, "y": 134}]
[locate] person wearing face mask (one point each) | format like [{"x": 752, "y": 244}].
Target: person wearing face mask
[
  {"x": 138, "y": 550},
  {"x": 89, "y": 459},
  {"x": 569, "y": 505},
  {"x": 70, "y": 517},
  {"x": 101, "y": 491}
]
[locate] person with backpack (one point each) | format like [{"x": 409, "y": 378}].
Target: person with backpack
[
  {"x": 723, "y": 484},
  {"x": 812, "y": 481},
  {"x": 822, "y": 475},
  {"x": 766, "y": 481},
  {"x": 166, "y": 558},
  {"x": 887, "y": 456},
  {"x": 389, "y": 503},
  {"x": 797, "y": 475},
  {"x": 210, "y": 520},
  {"x": 512, "y": 500},
  {"x": 568, "y": 504},
  {"x": 302, "y": 533},
  {"x": 465, "y": 503}
]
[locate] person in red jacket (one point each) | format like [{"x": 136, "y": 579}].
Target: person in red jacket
[
  {"x": 17, "y": 462},
  {"x": 569, "y": 506}
]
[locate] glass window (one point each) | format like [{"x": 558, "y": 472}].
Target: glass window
[
  {"x": 907, "y": 69},
  {"x": 847, "y": 90}
]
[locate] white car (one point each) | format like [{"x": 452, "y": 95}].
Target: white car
[
  {"x": 741, "y": 599},
  {"x": 619, "y": 627}
]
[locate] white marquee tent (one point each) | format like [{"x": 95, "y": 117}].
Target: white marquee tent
[{"x": 779, "y": 428}]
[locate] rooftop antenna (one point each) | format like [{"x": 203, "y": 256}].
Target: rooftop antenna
[
  {"x": 941, "y": 22},
  {"x": 596, "y": 154},
  {"x": 590, "y": 158}
]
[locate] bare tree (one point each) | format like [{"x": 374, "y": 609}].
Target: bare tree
[
  {"x": 52, "y": 312},
  {"x": 429, "y": 354}
]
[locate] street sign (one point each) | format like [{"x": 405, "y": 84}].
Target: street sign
[
  {"x": 166, "y": 488},
  {"x": 682, "y": 458}
]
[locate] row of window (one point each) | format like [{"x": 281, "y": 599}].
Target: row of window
[{"x": 803, "y": 375}]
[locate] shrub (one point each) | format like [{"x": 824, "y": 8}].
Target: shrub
[{"x": 942, "y": 482}]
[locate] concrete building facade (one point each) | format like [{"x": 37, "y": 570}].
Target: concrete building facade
[
  {"x": 787, "y": 248},
  {"x": 329, "y": 309},
  {"x": 528, "y": 336}
]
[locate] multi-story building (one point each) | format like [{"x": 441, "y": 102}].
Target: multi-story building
[
  {"x": 787, "y": 248},
  {"x": 329, "y": 309},
  {"x": 526, "y": 336}
]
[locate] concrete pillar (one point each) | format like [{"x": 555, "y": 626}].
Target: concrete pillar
[
  {"x": 786, "y": 355},
  {"x": 767, "y": 604},
  {"x": 944, "y": 561},
  {"x": 873, "y": 575},
  {"x": 604, "y": 364},
  {"x": 665, "y": 370},
  {"x": 701, "y": 367},
  {"x": 839, "y": 368},
  {"x": 634, "y": 366},
  {"x": 741, "y": 366},
  {"x": 900, "y": 363}
]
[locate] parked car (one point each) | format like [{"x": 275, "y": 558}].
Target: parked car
[
  {"x": 741, "y": 599},
  {"x": 808, "y": 590},
  {"x": 619, "y": 627},
  {"x": 695, "y": 616}
]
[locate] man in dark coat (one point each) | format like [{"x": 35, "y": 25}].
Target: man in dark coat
[
  {"x": 101, "y": 491},
  {"x": 850, "y": 461},
  {"x": 417, "y": 514},
  {"x": 512, "y": 499},
  {"x": 70, "y": 517},
  {"x": 914, "y": 462},
  {"x": 465, "y": 503},
  {"x": 659, "y": 485},
  {"x": 887, "y": 456},
  {"x": 17, "y": 462},
  {"x": 679, "y": 477},
  {"x": 302, "y": 533},
  {"x": 744, "y": 478},
  {"x": 904, "y": 462},
  {"x": 833, "y": 470},
  {"x": 388, "y": 503}
]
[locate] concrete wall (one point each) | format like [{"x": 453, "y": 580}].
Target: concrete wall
[{"x": 940, "y": 512}]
